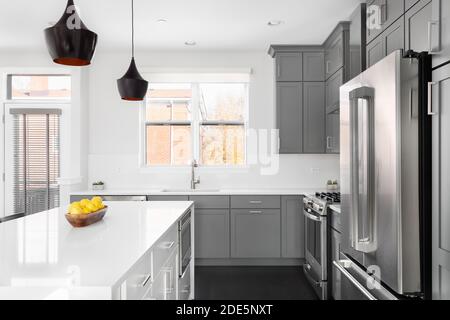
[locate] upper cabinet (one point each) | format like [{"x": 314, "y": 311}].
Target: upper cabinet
[
  {"x": 289, "y": 66},
  {"x": 381, "y": 14},
  {"x": 336, "y": 49},
  {"x": 313, "y": 66}
]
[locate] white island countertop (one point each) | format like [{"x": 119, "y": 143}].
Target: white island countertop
[{"x": 43, "y": 257}]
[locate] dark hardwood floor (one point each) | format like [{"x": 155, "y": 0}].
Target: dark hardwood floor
[{"x": 252, "y": 283}]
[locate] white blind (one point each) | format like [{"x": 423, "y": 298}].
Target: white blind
[{"x": 36, "y": 140}]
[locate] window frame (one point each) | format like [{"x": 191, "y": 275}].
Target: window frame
[{"x": 196, "y": 123}]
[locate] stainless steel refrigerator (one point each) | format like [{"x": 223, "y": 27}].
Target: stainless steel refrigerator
[{"x": 381, "y": 181}]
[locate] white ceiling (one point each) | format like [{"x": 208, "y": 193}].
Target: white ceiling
[{"x": 213, "y": 24}]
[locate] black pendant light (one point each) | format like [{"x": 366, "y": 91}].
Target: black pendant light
[
  {"x": 69, "y": 41},
  {"x": 132, "y": 86}
]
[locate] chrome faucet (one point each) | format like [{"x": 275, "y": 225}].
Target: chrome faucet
[{"x": 194, "y": 181}]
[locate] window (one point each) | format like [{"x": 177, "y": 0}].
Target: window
[
  {"x": 196, "y": 120},
  {"x": 37, "y": 87}
]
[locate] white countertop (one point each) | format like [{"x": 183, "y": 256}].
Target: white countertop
[
  {"x": 153, "y": 192},
  {"x": 45, "y": 251}
]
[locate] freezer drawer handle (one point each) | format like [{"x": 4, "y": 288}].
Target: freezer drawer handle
[{"x": 355, "y": 282}]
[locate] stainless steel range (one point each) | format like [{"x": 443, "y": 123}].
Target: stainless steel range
[{"x": 316, "y": 235}]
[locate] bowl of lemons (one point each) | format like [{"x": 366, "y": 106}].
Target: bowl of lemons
[{"x": 86, "y": 212}]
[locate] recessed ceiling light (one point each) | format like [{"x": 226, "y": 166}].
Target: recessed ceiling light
[
  {"x": 190, "y": 43},
  {"x": 275, "y": 23},
  {"x": 162, "y": 21}
]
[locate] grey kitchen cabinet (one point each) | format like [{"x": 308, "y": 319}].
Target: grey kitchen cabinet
[
  {"x": 381, "y": 14},
  {"x": 441, "y": 183},
  {"x": 357, "y": 41},
  {"x": 313, "y": 66},
  {"x": 212, "y": 233},
  {"x": 409, "y": 4},
  {"x": 289, "y": 66},
  {"x": 313, "y": 117},
  {"x": 417, "y": 35},
  {"x": 333, "y": 133},
  {"x": 441, "y": 49},
  {"x": 210, "y": 202},
  {"x": 336, "y": 244},
  {"x": 292, "y": 227},
  {"x": 332, "y": 91},
  {"x": 392, "y": 39},
  {"x": 290, "y": 117},
  {"x": 255, "y": 202},
  {"x": 334, "y": 54},
  {"x": 255, "y": 233},
  {"x": 168, "y": 198}
]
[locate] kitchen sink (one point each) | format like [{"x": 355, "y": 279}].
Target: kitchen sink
[{"x": 190, "y": 190}]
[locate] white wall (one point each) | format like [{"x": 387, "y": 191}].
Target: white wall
[{"x": 114, "y": 127}]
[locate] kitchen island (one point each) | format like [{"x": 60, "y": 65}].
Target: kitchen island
[{"x": 133, "y": 253}]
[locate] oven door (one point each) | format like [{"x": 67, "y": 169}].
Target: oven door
[
  {"x": 315, "y": 267},
  {"x": 185, "y": 244}
]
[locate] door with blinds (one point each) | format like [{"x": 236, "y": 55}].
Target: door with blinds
[{"x": 32, "y": 160}]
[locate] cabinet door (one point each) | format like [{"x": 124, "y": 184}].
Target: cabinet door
[
  {"x": 417, "y": 35},
  {"x": 390, "y": 40},
  {"x": 333, "y": 133},
  {"x": 313, "y": 66},
  {"x": 334, "y": 59},
  {"x": 332, "y": 88},
  {"x": 165, "y": 285},
  {"x": 292, "y": 227},
  {"x": 441, "y": 39},
  {"x": 335, "y": 256},
  {"x": 313, "y": 117},
  {"x": 375, "y": 51},
  {"x": 290, "y": 117},
  {"x": 212, "y": 233},
  {"x": 255, "y": 233},
  {"x": 441, "y": 183},
  {"x": 289, "y": 67},
  {"x": 381, "y": 14}
]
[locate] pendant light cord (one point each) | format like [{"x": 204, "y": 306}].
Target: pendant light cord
[{"x": 132, "y": 28}]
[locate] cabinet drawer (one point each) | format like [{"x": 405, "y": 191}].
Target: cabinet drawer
[
  {"x": 139, "y": 281},
  {"x": 163, "y": 248},
  {"x": 255, "y": 202},
  {"x": 165, "y": 285},
  {"x": 184, "y": 285},
  {"x": 256, "y": 233},
  {"x": 167, "y": 198},
  {"x": 210, "y": 202}
]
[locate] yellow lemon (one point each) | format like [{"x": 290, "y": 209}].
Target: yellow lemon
[
  {"x": 86, "y": 210},
  {"x": 84, "y": 202},
  {"x": 96, "y": 199},
  {"x": 91, "y": 207},
  {"x": 75, "y": 210},
  {"x": 74, "y": 205}
]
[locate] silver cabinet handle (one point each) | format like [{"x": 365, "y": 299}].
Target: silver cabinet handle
[
  {"x": 384, "y": 12},
  {"x": 430, "y": 98},
  {"x": 329, "y": 143},
  {"x": 256, "y": 212},
  {"x": 146, "y": 280},
  {"x": 359, "y": 286},
  {"x": 278, "y": 70},
  {"x": 167, "y": 245},
  {"x": 328, "y": 66},
  {"x": 411, "y": 102},
  {"x": 430, "y": 36},
  {"x": 255, "y": 202}
]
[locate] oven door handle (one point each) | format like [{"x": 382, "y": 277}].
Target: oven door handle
[{"x": 312, "y": 217}]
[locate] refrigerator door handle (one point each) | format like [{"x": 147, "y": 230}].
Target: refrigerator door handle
[{"x": 362, "y": 154}]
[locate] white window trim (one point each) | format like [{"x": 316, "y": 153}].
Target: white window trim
[
  {"x": 63, "y": 104},
  {"x": 166, "y": 76}
]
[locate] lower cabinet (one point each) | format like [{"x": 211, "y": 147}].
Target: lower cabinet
[
  {"x": 255, "y": 233},
  {"x": 292, "y": 227},
  {"x": 336, "y": 240},
  {"x": 165, "y": 285},
  {"x": 212, "y": 233}
]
